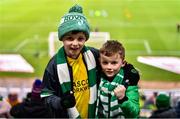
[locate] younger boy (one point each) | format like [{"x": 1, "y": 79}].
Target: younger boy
[{"x": 116, "y": 98}]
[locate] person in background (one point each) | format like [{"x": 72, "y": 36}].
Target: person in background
[
  {"x": 4, "y": 108},
  {"x": 13, "y": 98},
  {"x": 28, "y": 97},
  {"x": 142, "y": 99},
  {"x": 150, "y": 102},
  {"x": 31, "y": 107},
  {"x": 164, "y": 109},
  {"x": 177, "y": 108},
  {"x": 70, "y": 79},
  {"x": 116, "y": 97}
]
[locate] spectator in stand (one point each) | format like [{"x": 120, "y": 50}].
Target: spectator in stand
[
  {"x": 13, "y": 99},
  {"x": 4, "y": 108},
  {"x": 28, "y": 97},
  {"x": 177, "y": 108},
  {"x": 164, "y": 109},
  {"x": 33, "y": 107},
  {"x": 150, "y": 102},
  {"x": 142, "y": 99}
]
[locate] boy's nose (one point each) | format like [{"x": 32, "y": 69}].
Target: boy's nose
[
  {"x": 75, "y": 42},
  {"x": 109, "y": 66}
]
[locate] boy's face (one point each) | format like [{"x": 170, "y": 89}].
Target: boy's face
[
  {"x": 111, "y": 64},
  {"x": 73, "y": 44}
]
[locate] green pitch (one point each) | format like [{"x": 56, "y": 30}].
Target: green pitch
[{"x": 145, "y": 27}]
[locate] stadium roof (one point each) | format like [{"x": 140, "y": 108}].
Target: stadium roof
[{"x": 14, "y": 63}]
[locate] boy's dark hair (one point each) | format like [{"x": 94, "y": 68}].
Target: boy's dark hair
[
  {"x": 111, "y": 47},
  {"x": 73, "y": 32}
]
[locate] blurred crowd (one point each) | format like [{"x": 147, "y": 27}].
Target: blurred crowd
[
  {"x": 30, "y": 107},
  {"x": 158, "y": 105}
]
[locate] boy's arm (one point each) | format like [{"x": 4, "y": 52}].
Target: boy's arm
[
  {"x": 130, "y": 106},
  {"x": 131, "y": 75},
  {"x": 130, "y": 103},
  {"x": 48, "y": 93},
  {"x": 52, "y": 93}
]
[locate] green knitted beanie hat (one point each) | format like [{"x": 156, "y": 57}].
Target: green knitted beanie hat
[
  {"x": 162, "y": 101},
  {"x": 74, "y": 20}
]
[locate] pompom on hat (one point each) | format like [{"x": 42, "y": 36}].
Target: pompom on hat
[
  {"x": 162, "y": 101},
  {"x": 36, "y": 89},
  {"x": 73, "y": 21}
]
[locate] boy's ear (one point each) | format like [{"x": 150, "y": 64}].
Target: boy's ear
[{"x": 124, "y": 62}]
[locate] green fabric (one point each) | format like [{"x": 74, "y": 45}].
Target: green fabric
[
  {"x": 131, "y": 107},
  {"x": 45, "y": 93},
  {"x": 65, "y": 81},
  {"x": 74, "y": 20},
  {"x": 111, "y": 107},
  {"x": 162, "y": 101}
]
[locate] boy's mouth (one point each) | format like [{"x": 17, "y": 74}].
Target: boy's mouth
[
  {"x": 109, "y": 72},
  {"x": 74, "y": 48}
]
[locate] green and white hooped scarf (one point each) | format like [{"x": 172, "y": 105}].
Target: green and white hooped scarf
[
  {"x": 65, "y": 81},
  {"x": 111, "y": 107}
]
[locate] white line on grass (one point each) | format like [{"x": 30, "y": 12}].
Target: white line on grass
[
  {"x": 23, "y": 43},
  {"x": 147, "y": 47}
]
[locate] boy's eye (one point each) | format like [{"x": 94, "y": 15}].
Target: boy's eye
[
  {"x": 81, "y": 39},
  {"x": 104, "y": 62},
  {"x": 114, "y": 62},
  {"x": 69, "y": 38}
]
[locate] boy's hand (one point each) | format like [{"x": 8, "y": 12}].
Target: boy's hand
[
  {"x": 119, "y": 92},
  {"x": 68, "y": 100},
  {"x": 131, "y": 75}
]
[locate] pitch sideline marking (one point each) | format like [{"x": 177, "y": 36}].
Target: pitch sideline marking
[
  {"x": 23, "y": 43},
  {"x": 145, "y": 42},
  {"x": 147, "y": 47}
]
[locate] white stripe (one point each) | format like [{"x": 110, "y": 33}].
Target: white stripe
[
  {"x": 112, "y": 93},
  {"x": 21, "y": 45},
  {"x": 105, "y": 107},
  {"x": 115, "y": 112},
  {"x": 147, "y": 46},
  {"x": 114, "y": 103},
  {"x": 105, "y": 113},
  {"x": 101, "y": 82},
  {"x": 114, "y": 83},
  {"x": 104, "y": 89},
  {"x": 93, "y": 94},
  {"x": 63, "y": 73},
  {"x": 104, "y": 98},
  {"x": 45, "y": 95},
  {"x": 90, "y": 60},
  {"x": 120, "y": 75},
  {"x": 72, "y": 112}
]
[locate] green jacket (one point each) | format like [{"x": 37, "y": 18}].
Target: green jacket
[
  {"x": 131, "y": 107},
  {"x": 129, "y": 104}
]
